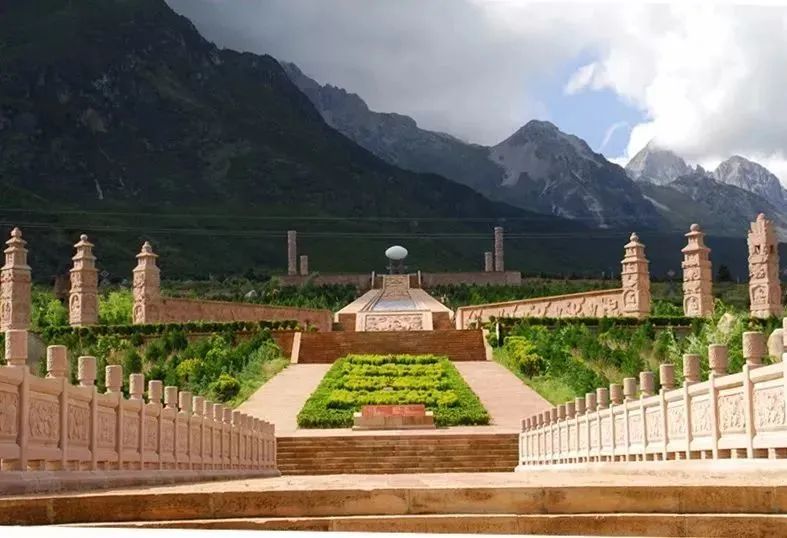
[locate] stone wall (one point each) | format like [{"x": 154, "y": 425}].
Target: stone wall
[
  {"x": 591, "y": 304},
  {"x": 362, "y": 281},
  {"x": 479, "y": 278},
  {"x": 176, "y": 310},
  {"x": 49, "y": 424},
  {"x": 741, "y": 415}
]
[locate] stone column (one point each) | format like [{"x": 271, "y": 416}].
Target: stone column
[
  {"x": 292, "y": 252},
  {"x": 83, "y": 299},
  {"x": 499, "y": 254},
  {"x": 15, "y": 302},
  {"x": 147, "y": 287},
  {"x": 636, "y": 280},
  {"x": 764, "y": 286},
  {"x": 697, "y": 276},
  {"x": 304, "y": 265},
  {"x": 489, "y": 262}
]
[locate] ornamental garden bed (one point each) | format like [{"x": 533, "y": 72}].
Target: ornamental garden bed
[{"x": 358, "y": 380}]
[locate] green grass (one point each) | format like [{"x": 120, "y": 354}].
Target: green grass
[
  {"x": 358, "y": 380},
  {"x": 552, "y": 389},
  {"x": 256, "y": 373}
]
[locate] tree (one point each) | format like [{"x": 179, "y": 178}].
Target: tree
[{"x": 724, "y": 274}]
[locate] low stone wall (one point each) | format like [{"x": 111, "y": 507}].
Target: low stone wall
[
  {"x": 362, "y": 281},
  {"x": 176, "y": 310},
  {"x": 741, "y": 415},
  {"x": 481, "y": 278},
  {"x": 47, "y": 424},
  {"x": 602, "y": 303}
]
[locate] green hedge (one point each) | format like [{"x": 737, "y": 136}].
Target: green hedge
[
  {"x": 359, "y": 380},
  {"x": 157, "y": 329}
]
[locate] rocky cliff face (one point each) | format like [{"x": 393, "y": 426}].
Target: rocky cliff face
[
  {"x": 752, "y": 177},
  {"x": 655, "y": 165}
]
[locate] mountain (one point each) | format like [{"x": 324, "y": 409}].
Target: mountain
[
  {"x": 557, "y": 173},
  {"x": 751, "y": 177},
  {"x": 656, "y": 165},
  {"x": 720, "y": 208},
  {"x": 118, "y": 119},
  {"x": 539, "y": 168}
]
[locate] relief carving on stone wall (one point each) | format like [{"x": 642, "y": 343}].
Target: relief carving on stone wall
[
  {"x": 168, "y": 437},
  {"x": 9, "y": 409},
  {"x": 130, "y": 432},
  {"x": 635, "y": 428},
  {"x": 606, "y": 432},
  {"x": 700, "y": 417},
  {"x": 195, "y": 439},
  {"x": 731, "y": 415},
  {"x": 654, "y": 427},
  {"x": 396, "y": 322},
  {"x": 105, "y": 434},
  {"x": 78, "y": 423},
  {"x": 583, "y": 435},
  {"x": 182, "y": 440},
  {"x": 676, "y": 421},
  {"x": 769, "y": 408},
  {"x": 620, "y": 431},
  {"x": 44, "y": 420},
  {"x": 151, "y": 433}
]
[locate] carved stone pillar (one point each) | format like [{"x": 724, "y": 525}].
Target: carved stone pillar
[
  {"x": 304, "y": 265},
  {"x": 15, "y": 300},
  {"x": 697, "y": 276},
  {"x": 636, "y": 279},
  {"x": 83, "y": 299},
  {"x": 499, "y": 253},
  {"x": 489, "y": 262},
  {"x": 764, "y": 286},
  {"x": 292, "y": 252},
  {"x": 147, "y": 287}
]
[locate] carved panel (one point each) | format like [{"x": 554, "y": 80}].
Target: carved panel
[
  {"x": 168, "y": 437},
  {"x": 635, "y": 428},
  {"x": 44, "y": 420},
  {"x": 564, "y": 438},
  {"x": 654, "y": 425},
  {"x": 9, "y": 410},
  {"x": 78, "y": 423},
  {"x": 151, "y": 434},
  {"x": 676, "y": 421},
  {"x": 769, "y": 408},
  {"x": 731, "y": 413},
  {"x": 397, "y": 322},
  {"x": 106, "y": 430},
  {"x": 594, "y": 434},
  {"x": 130, "y": 432},
  {"x": 195, "y": 440},
  {"x": 606, "y": 432},
  {"x": 182, "y": 440},
  {"x": 620, "y": 431},
  {"x": 583, "y": 435},
  {"x": 700, "y": 417}
]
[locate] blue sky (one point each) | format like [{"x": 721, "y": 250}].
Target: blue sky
[{"x": 589, "y": 114}]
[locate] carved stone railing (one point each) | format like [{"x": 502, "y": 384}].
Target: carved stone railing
[
  {"x": 740, "y": 415},
  {"x": 590, "y": 304},
  {"x": 48, "y": 424}
]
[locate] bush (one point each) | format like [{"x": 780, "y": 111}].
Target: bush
[
  {"x": 115, "y": 308},
  {"x": 524, "y": 356},
  {"x": 225, "y": 388}
]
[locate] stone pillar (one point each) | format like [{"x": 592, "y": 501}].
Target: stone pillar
[
  {"x": 83, "y": 299},
  {"x": 764, "y": 286},
  {"x": 697, "y": 276},
  {"x": 292, "y": 252},
  {"x": 489, "y": 262},
  {"x": 147, "y": 287},
  {"x": 304, "y": 265},
  {"x": 636, "y": 280},
  {"x": 667, "y": 376},
  {"x": 499, "y": 254},
  {"x": 15, "y": 300}
]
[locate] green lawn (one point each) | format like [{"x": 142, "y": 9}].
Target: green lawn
[{"x": 358, "y": 380}]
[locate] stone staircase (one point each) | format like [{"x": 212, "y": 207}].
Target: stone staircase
[
  {"x": 327, "y": 347},
  {"x": 394, "y": 454}
]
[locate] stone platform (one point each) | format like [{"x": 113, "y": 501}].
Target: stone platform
[{"x": 691, "y": 498}]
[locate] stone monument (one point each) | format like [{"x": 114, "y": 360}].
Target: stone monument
[
  {"x": 147, "y": 287},
  {"x": 499, "y": 253},
  {"x": 489, "y": 262},
  {"x": 292, "y": 252},
  {"x": 697, "y": 276},
  {"x": 636, "y": 279},
  {"x": 15, "y": 285},
  {"x": 764, "y": 286},
  {"x": 83, "y": 299}
]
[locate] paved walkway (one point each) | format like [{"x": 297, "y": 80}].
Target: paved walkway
[
  {"x": 507, "y": 399},
  {"x": 280, "y": 399}
]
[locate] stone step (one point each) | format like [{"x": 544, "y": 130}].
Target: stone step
[
  {"x": 393, "y": 470},
  {"x": 590, "y": 524}
]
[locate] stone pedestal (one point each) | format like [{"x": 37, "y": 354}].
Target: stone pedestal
[
  {"x": 304, "y": 265},
  {"x": 393, "y": 417},
  {"x": 489, "y": 262},
  {"x": 147, "y": 287},
  {"x": 292, "y": 252},
  {"x": 697, "y": 276},
  {"x": 15, "y": 302},
  {"x": 636, "y": 279},
  {"x": 83, "y": 299},
  {"x": 764, "y": 286}
]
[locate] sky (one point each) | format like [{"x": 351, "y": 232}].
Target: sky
[{"x": 704, "y": 79}]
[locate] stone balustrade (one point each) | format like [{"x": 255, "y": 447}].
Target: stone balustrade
[
  {"x": 740, "y": 415},
  {"x": 48, "y": 424}
]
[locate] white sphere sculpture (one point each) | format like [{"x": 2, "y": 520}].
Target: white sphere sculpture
[{"x": 396, "y": 253}]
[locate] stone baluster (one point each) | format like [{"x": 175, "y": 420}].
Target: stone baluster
[
  {"x": 553, "y": 415},
  {"x": 56, "y": 362},
  {"x": 616, "y": 393},
  {"x": 155, "y": 391},
  {"x": 571, "y": 409},
  {"x": 136, "y": 386},
  {"x": 15, "y": 283},
  {"x": 16, "y": 347},
  {"x": 590, "y": 402},
  {"x": 229, "y": 446},
  {"x": 114, "y": 378},
  {"x": 171, "y": 397},
  {"x": 579, "y": 404},
  {"x": 155, "y": 394},
  {"x": 86, "y": 371},
  {"x": 602, "y": 397},
  {"x": 667, "y": 376},
  {"x": 718, "y": 359},
  {"x": 630, "y": 388},
  {"x": 647, "y": 384},
  {"x": 691, "y": 368},
  {"x": 754, "y": 348}
]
